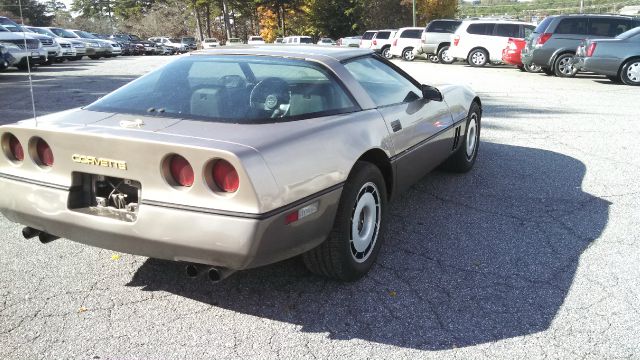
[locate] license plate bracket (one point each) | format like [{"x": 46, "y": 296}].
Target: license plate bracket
[{"x": 106, "y": 196}]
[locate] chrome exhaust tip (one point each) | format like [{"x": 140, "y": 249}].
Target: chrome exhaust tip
[
  {"x": 192, "y": 271},
  {"x": 217, "y": 274},
  {"x": 46, "y": 238},
  {"x": 30, "y": 233}
]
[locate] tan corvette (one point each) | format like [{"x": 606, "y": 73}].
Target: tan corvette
[{"x": 238, "y": 158}]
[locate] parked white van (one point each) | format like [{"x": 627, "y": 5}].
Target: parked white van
[{"x": 482, "y": 41}]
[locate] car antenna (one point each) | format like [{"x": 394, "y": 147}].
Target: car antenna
[{"x": 24, "y": 38}]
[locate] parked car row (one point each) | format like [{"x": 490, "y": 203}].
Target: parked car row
[{"x": 560, "y": 45}]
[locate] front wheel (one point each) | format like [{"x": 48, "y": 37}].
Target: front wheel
[
  {"x": 407, "y": 54},
  {"x": 478, "y": 57},
  {"x": 354, "y": 243},
  {"x": 630, "y": 73},
  {"x": 444, "y": 57},
  {"x": 563, "y": 66},
  {"x": 464, "y": 157}
]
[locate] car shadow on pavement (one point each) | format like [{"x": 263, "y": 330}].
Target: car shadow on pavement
[{"x": 467, "y": 259}]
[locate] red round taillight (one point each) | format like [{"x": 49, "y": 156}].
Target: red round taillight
[
  {"x": 44, "y": 152},
  {"x": 15, "y": 148},
  {"x": 181, "y": 170},
  {"x": 225, "y": 176}
]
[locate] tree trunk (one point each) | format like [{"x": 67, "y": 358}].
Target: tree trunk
[
  {"x": 208, "y": 18},
  {"x": 284, "y": 30},
  {"x": 225, "y": 15},
  {"x": 198, "y": 24}
]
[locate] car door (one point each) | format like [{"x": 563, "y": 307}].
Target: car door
[{"x": 417, "y": 126}]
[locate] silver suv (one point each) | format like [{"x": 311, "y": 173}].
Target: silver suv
[
  {"x": 436, "y": 39},
  {"x": 553, "y": 43}
]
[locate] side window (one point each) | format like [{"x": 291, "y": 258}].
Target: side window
[
  {"x": 508, "y": 30},
  {"x": 411, "y": 34},
  {"x": 480, "y": 29},
  {"x": 576, "y": 26},
  {"x": 383, "y": 35},
  {"x": 384, "y": 85},
  {"x": 609, "y": 27},
  {"x": 528, "y": 30}
]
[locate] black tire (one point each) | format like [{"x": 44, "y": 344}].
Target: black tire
[
  {"x": 49, "y": 61},
  {"x": 562, "y": 67},
  {"x": 478, "y": 57},
  {"x": 615, "y": 79},
  {"x": 521, "y": 68},
  {"x": 407, "y": 54},
  {"x": 386, "y": 52},
  {"x": 444, "y": 57},
  {"x": 630, "y": 72},
  {"x": 461, "y": 161},
  {"x": 531, "y": 68},
  {"x": 94, "y": 57},
  {"x": 79, "y": 57},
  {"x": 547, "y": 71},
  {"x": 337, "y": 256},
  {"x": 434, "y": 59},
  {"x": 24, "y": 67}
]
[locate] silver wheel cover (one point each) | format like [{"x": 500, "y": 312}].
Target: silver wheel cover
[
  {"x": 472, "y": 136},
  {"x": 478, "y": 58},
  {"x": 365, "y": 222},
  {"x": 633, "y": 72},
  {"x": 445, "y": 56},
  {"x": 565, "y": 67}
]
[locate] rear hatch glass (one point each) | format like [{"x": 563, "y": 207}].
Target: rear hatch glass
[{"x": 543, "y": 25}]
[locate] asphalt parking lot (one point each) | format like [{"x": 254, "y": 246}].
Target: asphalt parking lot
[{"x": 533, "y": 254}]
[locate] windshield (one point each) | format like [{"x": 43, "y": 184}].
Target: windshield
[
  {"x": 174, "y": 40},
  {"x": 188, "y": 39},
  {"x": 306, "y": 40},
  {"x": 210, "y": 40},
  {"x": 43, "y": 31},
  {"x": 368, "y": 35},
  {"x": 64, "y": 33},
  {"x": 234, "y": 89},
  {"x": 256, "y": 38},
  {"x": 3, "y": 29},
  {"x": 134, "y": 37},
  {"x": 629, "y": 33},
  {"x": 84, "y": 34}
]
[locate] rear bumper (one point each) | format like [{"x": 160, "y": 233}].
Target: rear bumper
[
  {"x": 598, "y": 65},
  {"x": 512, "y": 57},
  {"x": 170, "y": 232}
]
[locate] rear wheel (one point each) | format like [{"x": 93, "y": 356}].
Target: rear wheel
[
  {"x": 434, "y": 59},
  {"x": 463, "y": 159},
  {"x": 407, "y": 54},
  {"x": 478, "y": 57},
  {"x": 532, "y": 68},
  {"x": 521, "y": 68},
  {"x": 94, "y": 57},
  {"x": 563, "y": 66},
  {"x": 354, "y": 243},
  {"x": 386, "y": 52},
  {"x": 630, "y": 73},
  {"x": 443, "y": 55}
]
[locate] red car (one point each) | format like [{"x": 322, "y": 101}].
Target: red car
[{"x": 512, "y": 55}]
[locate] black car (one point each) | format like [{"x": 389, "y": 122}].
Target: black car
[{"x": 131, "y": 44}]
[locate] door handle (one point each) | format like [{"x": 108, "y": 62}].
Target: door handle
[{"x": 396, "y": 126}]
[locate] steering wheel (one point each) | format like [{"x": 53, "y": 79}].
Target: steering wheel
[{"x": 271, "y": 94}]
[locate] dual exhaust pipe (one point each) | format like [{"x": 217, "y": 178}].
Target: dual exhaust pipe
[
  {"x": 214, "y": 273},
  {"x": 45, "y": 238}
]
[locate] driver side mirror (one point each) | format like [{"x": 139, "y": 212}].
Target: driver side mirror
[{"x": 431, "y": 93}]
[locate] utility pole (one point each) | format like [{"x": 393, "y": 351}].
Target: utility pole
[{"x": 414, "y": 12}]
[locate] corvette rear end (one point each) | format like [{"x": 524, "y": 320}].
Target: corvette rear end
[{"x": 150, "y": 194}]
